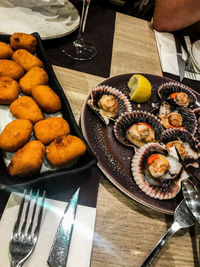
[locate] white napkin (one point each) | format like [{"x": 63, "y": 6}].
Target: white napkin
[
  {"x": 82, "y": 236},
  {"x": 167, "y": 53}
]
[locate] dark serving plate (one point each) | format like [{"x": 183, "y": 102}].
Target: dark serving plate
[
  {"x": 84, "y": 163},
  {"x": 114, "y": 159}
]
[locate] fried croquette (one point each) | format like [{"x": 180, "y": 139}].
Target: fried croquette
[
  {"x": 11, "y": 69},
  {"x": 64, "y": 150},
  {"x": 28, "y": 160},
  {"x": 26, "y": 108},
  {"x": 23, "y": 40},
  {"x": 35, "y": 76},
  {"x": 26, "y": 60},
  {"x": 46, "y": 98},
  {"x": 49, "y": 129},
  {"x": 5, "y": 51},
  {"x": 15, "y": 135},
  {"x": 9, "y": 90}
]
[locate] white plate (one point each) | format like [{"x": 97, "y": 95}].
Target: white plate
[
  {"x": 195, "y": 50},
  {"x": 50, "y": 18}
]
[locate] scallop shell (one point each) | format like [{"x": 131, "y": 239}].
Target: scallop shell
[
  {"x": 188, "y": 117},
  {"x": 166, "y": 89},
  {"x": 197, "y": 112},
  {"x": 175, "y": 134},
  {"x": 197, "y": 133},
  {"x": 123, "y": 102},
  {"x": 165, "y": 189},
  {"x": 129, "y": 118}
]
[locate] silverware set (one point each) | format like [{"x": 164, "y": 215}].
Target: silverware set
[
  {"x": 27, "y": 226},
  {"x": 185, "y": 62}
]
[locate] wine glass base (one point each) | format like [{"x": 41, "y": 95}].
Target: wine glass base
[{"x": 80, "y": 51}]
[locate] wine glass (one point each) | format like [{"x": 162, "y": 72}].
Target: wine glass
[{"x": 81, "y": 49}]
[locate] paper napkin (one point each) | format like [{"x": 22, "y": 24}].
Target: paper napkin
[
  {"x": 167, "y": 53},
  {"x": 82, "y": 236}
]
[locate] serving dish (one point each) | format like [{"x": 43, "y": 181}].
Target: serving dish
[
  {"x": 114, "y": 158},
  {"x": 83, "y": 164},
  {"x": 51, "y": 19}
]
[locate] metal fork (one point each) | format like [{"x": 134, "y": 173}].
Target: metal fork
[
  {"x": 183, "y": 218},
  {"x": 24, "y": 237},
  {"x": 189, "y": 68}
]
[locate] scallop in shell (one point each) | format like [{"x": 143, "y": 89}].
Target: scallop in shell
[
  {"x": 181, "y": 94},
  {"x": 137, "y": 128},
  {"x": 108, "y": 103},
  {"x": 174, "y": 116},
  {"x": 184, "y": 142},
  {"x": 156, "y": 172}
]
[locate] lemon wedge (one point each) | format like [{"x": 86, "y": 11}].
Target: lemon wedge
[{"x": 140, "y": 88}]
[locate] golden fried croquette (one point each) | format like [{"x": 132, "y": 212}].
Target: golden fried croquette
[
  {"x": 64, "y": 150},
  {"x": 49, "y": 129},
  {"x": 9, "y": 90},
  {"x": 26, "y": 108},
  {"x": 35, "y": 76},
  {"x": 28, "y": 160},
  {"x": 23, "y": 40},
  {"x": 11, "y": 69},
  {"x": 26, "y": 60},
  {"x": 5, "y": 50},
  {"x": 15, "y": 135},
  {"x": 46, "y": 98}
]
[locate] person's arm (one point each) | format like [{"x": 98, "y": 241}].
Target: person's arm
[{"x": 172, "y": 15}]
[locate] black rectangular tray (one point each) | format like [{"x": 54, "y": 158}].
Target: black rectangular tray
[{"x": 84, "y": 163}]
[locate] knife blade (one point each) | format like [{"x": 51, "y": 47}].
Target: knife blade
[
  {"x": 60, "y": 247},
  {"x": 181, "y": 61}
]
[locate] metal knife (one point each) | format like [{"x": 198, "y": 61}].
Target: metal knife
[
  {"x": 192, "y": 175},
  {"x": 181, "y": 61},
  {"x": 60, "y": 248}
]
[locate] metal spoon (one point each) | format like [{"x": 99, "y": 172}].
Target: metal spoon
[
  {"x": 182, "y": 219},
  {"x": 191, "y": 190},
  {"x": 191, "y": 194}
]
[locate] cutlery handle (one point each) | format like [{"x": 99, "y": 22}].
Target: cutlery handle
[
  {"x": 188, "y": 43},
  {"x": 148, "y": 261}
]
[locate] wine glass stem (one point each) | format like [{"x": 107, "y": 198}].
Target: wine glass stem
[{"x": 86, "y": 4}]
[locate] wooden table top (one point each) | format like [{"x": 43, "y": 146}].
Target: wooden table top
[{"x": 126, "y": 231}]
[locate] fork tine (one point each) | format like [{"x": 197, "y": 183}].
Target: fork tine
[
  {"x": 17, "y": 223},
  {"x": 33, "y": 214},
  {"x": 37, "y": 227},
  {"x": 26, "y": 213}
]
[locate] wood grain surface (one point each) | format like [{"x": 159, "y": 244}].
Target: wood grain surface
[{"x": 126, "y": 231}]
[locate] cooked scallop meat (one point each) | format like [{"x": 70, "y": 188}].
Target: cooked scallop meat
[
  {"x": 140, "y": 134},
  {"x": 175, "y": 119},
  {"x": 108, "y": 105},
  {"x": 181, "y": 98}
]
